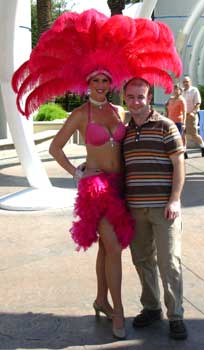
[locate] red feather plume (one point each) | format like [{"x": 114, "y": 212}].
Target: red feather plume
[{"x": 79, "y": 44}]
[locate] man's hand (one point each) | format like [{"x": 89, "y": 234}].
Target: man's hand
[{"x": 172, "y": 210}]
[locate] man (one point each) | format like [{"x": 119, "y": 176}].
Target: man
[
  {"x": 193, "y": 101},
  {"x": 154, "y": 167}
]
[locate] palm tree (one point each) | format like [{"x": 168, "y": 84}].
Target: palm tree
[
  {"x": 116, "y": 6},
  {"x": 43, "y": 15}
]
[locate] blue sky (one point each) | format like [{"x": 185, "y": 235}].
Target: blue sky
[{"x": 101, "y": 5}]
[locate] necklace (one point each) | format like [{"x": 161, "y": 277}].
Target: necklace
[
  {"x": 112, "y": 142},
  {"x": 98, "y": 103}
]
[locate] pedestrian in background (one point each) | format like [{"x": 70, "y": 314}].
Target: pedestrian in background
[
  {"x": 193, "y": 101},
  {"x": 176, "y": 111}
]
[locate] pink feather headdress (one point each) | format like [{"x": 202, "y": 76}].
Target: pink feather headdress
[{"x": 79, "y": 44}]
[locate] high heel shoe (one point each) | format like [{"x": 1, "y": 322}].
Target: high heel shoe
[
  {"x": 119, "y": 333},
  {"x": 100, "y": 308}
]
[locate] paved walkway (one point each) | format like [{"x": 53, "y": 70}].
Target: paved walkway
[{"x": 47, "y": 288}]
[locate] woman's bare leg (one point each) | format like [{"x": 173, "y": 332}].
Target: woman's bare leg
[
  {"x": 113, "y": 269},
  {"x": 102, "y": 287}
]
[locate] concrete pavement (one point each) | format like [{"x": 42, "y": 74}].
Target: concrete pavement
[{"x": 47, "y": 288}]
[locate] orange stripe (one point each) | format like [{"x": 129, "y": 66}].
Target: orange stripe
[
  {"x": 130, "y": 199},
  {"x": 129, "y": 154},
  {"x": 149, "y": 177},
  {"x": 146, "y": 132},
  {"x": 150, "y": 132}
]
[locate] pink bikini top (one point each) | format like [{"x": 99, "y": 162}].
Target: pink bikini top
[{"x": 97, "y": 134}]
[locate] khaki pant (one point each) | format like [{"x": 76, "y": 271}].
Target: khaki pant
[
  {"x": 191, "y": 124},
  {"x": 158, "y": 242},
  {"x": 192, "y": 129}
]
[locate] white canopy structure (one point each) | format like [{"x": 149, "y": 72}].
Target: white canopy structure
[
  {"x": 15, "y": 29},
  {"x": 185, "y": 18},
  {"x": 191, "y": 32}
]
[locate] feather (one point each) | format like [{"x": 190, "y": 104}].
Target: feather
[
  {"x": 44, "y": 92},
  {"x": 34, "y": 80},
  {"x": 156, "y": 76},
  {"x": 78, "y": 44},
  {"x": 166, "y": 60},
  {"x": 18, "y": 77}
]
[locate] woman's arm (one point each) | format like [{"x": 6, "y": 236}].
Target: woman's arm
[
  {"x": 184, "y": 107},
  {"x": 72, "y": 124},
  {"x": 121, "y": 113},
  {"x": 166, "y": 109}
]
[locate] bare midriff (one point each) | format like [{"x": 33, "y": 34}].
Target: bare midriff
[{"x": 106, "y": 158}]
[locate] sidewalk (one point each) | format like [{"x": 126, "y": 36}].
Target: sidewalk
[{"x": 47, "y": 288}]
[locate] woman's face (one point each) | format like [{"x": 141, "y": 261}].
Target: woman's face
[
  {"x": 99, "y": 86},
  {"x": 177, "y": 91}
]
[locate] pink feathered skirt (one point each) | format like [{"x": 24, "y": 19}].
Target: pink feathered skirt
[{"x": 100, "y": 196}]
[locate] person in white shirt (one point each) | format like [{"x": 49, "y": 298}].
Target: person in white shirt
[{"x": 193, "y": 101}]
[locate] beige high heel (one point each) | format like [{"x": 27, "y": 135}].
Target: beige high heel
[
  {"x": 119, "y": 333},
  {"x": 100, "y": 309}
]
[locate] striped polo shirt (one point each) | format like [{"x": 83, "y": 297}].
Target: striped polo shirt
[{"x": 148, "y": 167}]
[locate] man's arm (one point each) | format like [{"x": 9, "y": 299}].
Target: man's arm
[
  {"x": 196, "y": 108},
  {"x": 173, "y": 207},
  {"x": 196, "y": 100}
]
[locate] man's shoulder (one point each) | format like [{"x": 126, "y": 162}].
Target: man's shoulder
[
  {"x": 127, "y": 118},
  {"x": 193, "y": 89}
]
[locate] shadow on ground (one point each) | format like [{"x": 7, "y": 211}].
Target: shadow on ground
[
  {"x": 31, "y": 331},
  {"x": 193, "y": 192},
  {"x": 20, "y": 181}
]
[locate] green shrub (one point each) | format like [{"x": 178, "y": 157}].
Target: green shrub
[
  {"x": 50, "y": 111},
  {"x": 70, "y": 101}
]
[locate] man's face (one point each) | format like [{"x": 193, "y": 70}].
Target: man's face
[
  {"x": 138, "y": 98},
  {"x": 186, "y": 83}
]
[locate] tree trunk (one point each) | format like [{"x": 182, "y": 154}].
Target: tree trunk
[
  {"x": 116, "y": 6},
  {"x": 43, "y": 15}
]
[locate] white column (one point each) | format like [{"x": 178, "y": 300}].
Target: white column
[
  {"x": 147, "y": 8},
  {"x": 201, "y": 67},
  {"x": 15, "y": 47},
  {"x": 195, "y": 56},
  {"x": 184, "y": 34}
]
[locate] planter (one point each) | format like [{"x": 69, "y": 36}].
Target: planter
[{"x": 42, "y": 127}]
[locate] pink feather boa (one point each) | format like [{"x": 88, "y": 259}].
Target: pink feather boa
[{"x": 100, "y": 196}]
